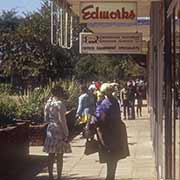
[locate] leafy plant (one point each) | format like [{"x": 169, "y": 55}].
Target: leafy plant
[
  {"x": 8, "y": 109},
  {"x": 72, "y": 93},
  {"x": 6, "y": 88},
  {"x": 31, "y": 106}
]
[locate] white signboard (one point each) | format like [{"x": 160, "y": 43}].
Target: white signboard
[
  {"x": 105, "y": 11},
  {"x": 111, "y": 43}
]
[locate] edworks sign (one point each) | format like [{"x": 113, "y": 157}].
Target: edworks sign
[{"x": 106, "y": 11}]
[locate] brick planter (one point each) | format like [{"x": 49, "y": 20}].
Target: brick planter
[
  {"x": 14, "y": 143},
  {"x": 37, "y": 132}
]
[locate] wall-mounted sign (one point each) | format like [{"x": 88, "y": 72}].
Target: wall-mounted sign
[
  {"x": 106, "y": 11},
  {"x": 177, "y": 43},
  {"x": 110, "y": 43}
]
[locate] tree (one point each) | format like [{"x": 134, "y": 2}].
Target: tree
[
  {"x": 9, "y": 21},
  {"x": 28, "y": 58},
  {"x": 28, "y": 55},
  {"x": 107, "y": 67}
]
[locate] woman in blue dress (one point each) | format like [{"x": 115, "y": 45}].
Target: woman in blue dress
[
  {"x": 57, "y": 130},
  {"x": 111, "y": 132}
]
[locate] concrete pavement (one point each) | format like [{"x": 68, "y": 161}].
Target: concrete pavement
[{"x": 139, "y": 166}]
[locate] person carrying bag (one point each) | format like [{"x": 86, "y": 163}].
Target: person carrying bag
[{"x": 111, "y": 132}]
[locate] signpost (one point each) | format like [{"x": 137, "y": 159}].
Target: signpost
[
  {"x": 110, "y": 43},
  {"x": 108, "y": 11}
]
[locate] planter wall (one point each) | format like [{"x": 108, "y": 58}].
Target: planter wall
[
  {"x": 14, "y": 143},
  {"x": 37, "y": 132}
]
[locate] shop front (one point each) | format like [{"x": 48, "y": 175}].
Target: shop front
[{"x": 164, "y": 87}]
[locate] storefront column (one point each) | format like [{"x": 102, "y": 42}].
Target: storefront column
[{"x": 168, "y": 93}]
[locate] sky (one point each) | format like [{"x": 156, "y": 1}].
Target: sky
[{"x": 20, "y": 5}]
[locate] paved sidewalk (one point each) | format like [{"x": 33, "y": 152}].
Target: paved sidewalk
[{"x": 139, "y": 166}]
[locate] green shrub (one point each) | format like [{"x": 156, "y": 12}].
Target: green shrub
[
  {"x": 5, "y": 88},
  {"x": 72, "y": 92},
  {"x": 31, "y": 106},
  {"x": 8, "y": 109},
  {"x": 8, "y": 89}
]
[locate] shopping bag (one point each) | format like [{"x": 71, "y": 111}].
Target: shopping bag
[
  {"x": 90, "y": 127},
  {"x": 67, "y": 147},
  {"x": 124, "y": 150},
  {"x": 91, "y": 146}
]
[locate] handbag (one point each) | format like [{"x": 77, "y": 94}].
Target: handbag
[
  {"x": 124, "y": 141},
  {"x": 91, "y": 146},
  {"x": 90, "y": 127},
  {"x": 67, "y": 147}
]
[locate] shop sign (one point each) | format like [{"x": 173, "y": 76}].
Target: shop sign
[
  {"x": 110, "y": 43},
  {"x": 106, "y": 11}
]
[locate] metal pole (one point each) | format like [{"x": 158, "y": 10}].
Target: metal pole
[
  {"x": 174, "y": 95},
  {"x": 168, "y": 93}
]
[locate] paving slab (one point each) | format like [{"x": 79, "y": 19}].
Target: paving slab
[{"x": 140, "y": 165}]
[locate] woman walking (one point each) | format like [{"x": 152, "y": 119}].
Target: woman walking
[
  {"x": 112, "y": 136},
  {"x": 83, "y": 109},
  {"x": 57, "y": 130}
]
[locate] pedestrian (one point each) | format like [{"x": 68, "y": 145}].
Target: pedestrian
[
  {"x": 84, "y": 106},
  {"x": 57, "y": 131},
  {"x": 124, "y": 96},
  {"x": 139, "y": 98},
  {"x": 131, "y": 98},
  {"x": 92, "y": 100},
  {"x": 109, "y": 132}
]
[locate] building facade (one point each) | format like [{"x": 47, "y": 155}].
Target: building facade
[
  {"x": 164, "y": 86},
  {"x": 163, "y": 71}
]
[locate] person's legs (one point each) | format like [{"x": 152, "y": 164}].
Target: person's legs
[
  {"x": 140, "y": 108},
  {"x": 133, "y": 109},
  {"x": 111, "y": 169},
  {"x": 59, "y": 165},
  {"x": 124, "y": 109},
  {"x": 140, "y": 103},
  {"x": 129, "y": 110},
  {"x": 50, "y": 165},
  {"x": 137, "y": 111}
]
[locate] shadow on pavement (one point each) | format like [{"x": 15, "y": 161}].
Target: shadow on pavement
[
  {"x": 83, "y": 178},
  {"x": 69, "y": 178},
  {"x": 27, "y": 170},
  {"x": 93, "y": 178}
]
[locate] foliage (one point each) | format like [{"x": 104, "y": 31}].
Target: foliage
[
  {"x": 28, "y": 58},
  {"x": 30, "y": 106},
  {"x": 72, "y": 93},
  {"x": 9, "y": 21},
  {"x": 27, "y": 54},
  {"x": 6, "y": 88},
  {"x": 8, "y": 109},
  {"x": 107, "y": 67}
]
